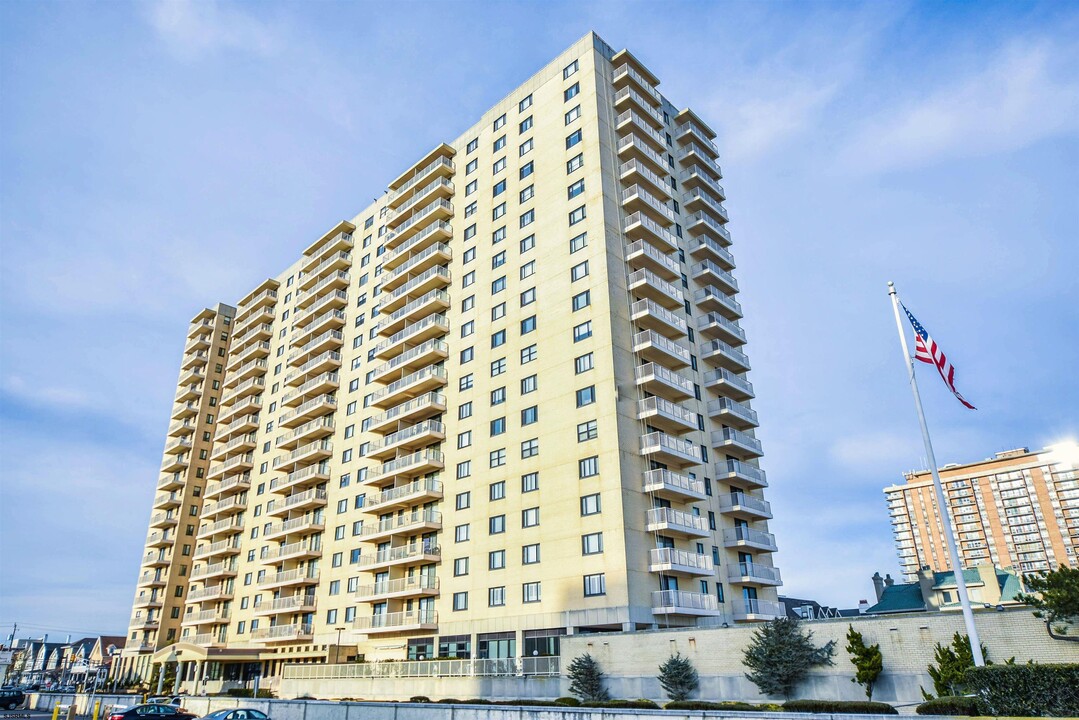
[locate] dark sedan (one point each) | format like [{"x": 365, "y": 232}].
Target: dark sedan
[
  {"x": 152, "y": 711},
  {"x": 237, "y": 714}
]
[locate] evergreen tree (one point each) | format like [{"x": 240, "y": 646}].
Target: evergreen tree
[
  {"x": 781, "y": 654},
  {"x": 586, "y": 679},
  {"x": 952, "y": 663},
  {"x": 1055, "y": 598},
  {"x": 868, "y": 661},
  {"x": 678, "y": 677}
]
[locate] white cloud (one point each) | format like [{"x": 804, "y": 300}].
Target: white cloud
[
  {"x": 192, "y": 29},
  {"x": 1027, "y": 92}
]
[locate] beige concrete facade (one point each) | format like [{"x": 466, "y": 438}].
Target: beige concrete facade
[
  {"x": 1018, "y": 509},
  {"x": 505, "y": 403}
]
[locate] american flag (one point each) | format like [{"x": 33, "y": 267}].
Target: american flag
[{"x": 926, "y": 350}]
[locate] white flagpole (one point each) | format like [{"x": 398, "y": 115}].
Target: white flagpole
[{"x": 953, "y": 551}]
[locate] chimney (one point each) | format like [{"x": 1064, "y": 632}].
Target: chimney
[
  {"x": 863, "y": 605},
  {"x": 888, "y": 582},
  {"x": 878, "y": 585}
]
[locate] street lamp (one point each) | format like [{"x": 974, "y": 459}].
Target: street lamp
[{"x": 337, "y": 647}]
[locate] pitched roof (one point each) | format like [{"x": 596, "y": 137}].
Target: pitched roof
[{"x": 905, "y": 597}]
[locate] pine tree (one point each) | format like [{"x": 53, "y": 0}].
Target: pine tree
[
  {"x": 586, "y": 679},
  {"x": 1055, "y": 598},
  {"x": 952, "y": 663},
  {"x": 868, "y": 661},
  {"x": 781, "y": 654},
  {"x": 678, "y": 677}
]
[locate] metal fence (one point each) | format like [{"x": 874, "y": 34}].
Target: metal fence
[{"x": 494, "y": 667}]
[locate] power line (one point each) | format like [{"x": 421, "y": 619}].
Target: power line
[{"x": 53, "y": 628}]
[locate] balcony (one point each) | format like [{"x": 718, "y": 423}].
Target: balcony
[
  {"x": 416, "y": 409},
  {"x": 200, "y": 327},
  {"x": 185, "y": 410},
  {"x": 432, "y": 256},
  {"x": 296, "y": 526},
  {"x": 633, "y": 122},
  {"x": 412, "y": 523},
  {"x": 732, "y": 413},
  {"x": 171, "y": 481},
  {"x": 163, "y": 520},
  {"x": 231, "y": 504},
  {"x": 665, "y": 415},
  {"x": 189, "y": 392},
  {"x": 436, "y": 277},
  {"x": 336, "y": 240},
  {"x": 149, "y": 623},
  {"x": 644, "y": 255},
  {"x": 692, "y": 132},
  {"x": 750, "y": 573},
  {"x": 746, "y": 537},
  {"x": 754, "y": 610},
  {"x": 650, "y": 316},
  {"x": 260, "y": 349},
  {"x": 404, "y": 496},
  {"x": 157, "y": 560},
  {"x": 312, "y": 408},
  {"x": 243, "y": 424},
  {"x": 403, "y": 555},
  {"x": 200, "y": 342},
  {"x": 719, "y": 353},
  {"x": 178, "y": 446},
  {"x": 230, "y": 526},
  {"x": 217, "y": 570},
  {"x": 410, "y": 386},
  {"x": 286, "y": 605},
  {"x": 207, "y": 617},
  {"x": 670, "y": 561},
  {"x": 646, "y": 284},
  {"x": 328, "y": 341},
  {"x": 711, "y": 298},
  {"x": 184, "y": 427},
  {"x": 236, "y": 463},
  {"x": 194, "y": 359},
  {"x": 406, "y": 587},
  {"x": 305, "y": 500},
  {"x": 668, "y": 384},
  {"x": 400, "y": 188},
  {"x": 321, "y": 384},
  {"x": 238, "y": 444},
  {"x": 408, "y": 439},
  {"x": 252, "y": 368},
  {"x": 302, "y": 550},
  {"x": 210, "y": 593},
  {"x": 699, "y": 198},
  {"x": 260, "y": 331},
  {"x": 302, "y": 478},
  {"x": 727, "y": 384},
  {"x": 339, "y": 260},
  {"x": 672, "y": 486},
  {"x": 304, "y": 455},
  {"x": 332, "y": 319},
  {"x": 439, "y": 187},
  {"x": 745, "y": 507},
  {"x": 243, "y": 406},
  {"x": 299, "y": 576},
  {"x": 639, "y": 226},
  {"x": 410, "y": 621},
  {"x": 422, "y": 355},
  {"x": 313, "y": 430},
  {"x": 663, "y": 448},
  {"x": 654, "y": 347},
  {"x": 408, "y": 466},
  {"x": 430, "y": 327},
  {"x": 223, "y": 547},
  {"x": 627, "y": 98},
  {"x": 737, "y": 443},
  {"x": 152, "y": 580},
  {"x": 251, "y": 386},
  {"x": 630, "y": 146},
  {"x": 708, "y": 249},
  {"x": 160, "y": 539},
  {"x": 676, "y": 522},
  {"x": 336, "y": 300},
  {"x": 151, "y": 602},
  {"x": 263, "y": 314},
  {"x": 706, "y": 272},
  {"x": 626, "y": 76},
  {"x": 338, "y": 280},
  {"x": 283, "y": 633},
  {"x": 327, "y": 361},
  {"x": 414, "y": 311},
  {"x": 440, "y": 209},
  {"x": 637, "y": 172},
  {"x": 167, "y": 501},
  {"x": 704, "y": 224},
  {"x": 714, "y": 325},
  {"x": 679, "y": 602},
  {"x": 637, "y": 199}
]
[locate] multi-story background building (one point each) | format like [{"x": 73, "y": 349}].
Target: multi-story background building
[
  {"x": 1018, "y": 509},
  {"x": 504, "y": 403}
]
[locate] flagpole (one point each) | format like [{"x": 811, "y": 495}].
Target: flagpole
[{"x": 953, "y": 551}]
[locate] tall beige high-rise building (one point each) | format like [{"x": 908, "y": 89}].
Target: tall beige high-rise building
[
  {"x": 1018, "y": 509},
  {"x": 506, "y": 402}
]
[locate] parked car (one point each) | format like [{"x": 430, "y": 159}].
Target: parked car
[
  {"x": 151, "y": 711},
  {"x": 176, "y": 701},
  {"x": 11, "y": 698},
  {"x": 237, "y": 714}
]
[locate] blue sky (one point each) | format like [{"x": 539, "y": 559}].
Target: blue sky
[{"x": 159, "y": 157}]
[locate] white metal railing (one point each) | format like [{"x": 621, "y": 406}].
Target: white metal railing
[
  {"x": 415, "y": 583},
  {"x": 303, "y": 473},
  {"x": 394, "y": 494},
  {"x": 644, "y": 105},
  {"x": 324, "y": 444},
  {"x": 649, "y": 199},
  {"x": 670, "y": 444},
  {"x": 303, "y": 574},
  {"x": 421, "y": 174},
  {"x": 628, "y": 140},
  {"x": 754, "y": 606},
  {"x": 406, "y": 267},
  {"x": 732, "y": 407},
  {"x": 642, "y": 126},
  {"x": 213, "y": 591},
  {"x": 649, "y": 405},
  {"x": 322, "y": 422},
  {"x": 423, "y": 277},
  {"x": 422, "y": 213},
  {"x": 215, "y": 569},
  {"x": 754, "y": 570},
  {"x": 625, "y": 69},
  {"x": 333, "y": 258},
  {"x": 326, "y": 377},
  {"x": 410, "y": 379},
  {"x": 418, "y": 196},
  {"x": 329, "y": 400},
  {"x": 683, "y": 599},
  {"x": 684, "y": 558},
  {"x": 656, "y": 310},
  {"x": 640, "y": 168},
  {"x": 332, "y": 313},
  {"x": 714, "y": 347},
  {"x": 431, "y": 398},
  {"x": 669, "y": 289},
  {"x": 662, "y": 477},
  {"x": 471, "y": 667},
  {"x": 232, "y": 523},
  {"x": 670, "y": 516},
  {"x": 303, "y": 317},
  {"x": 217, "y": 547},
  {"x": 695, "y": 128},
  {"x": 740, "y": 468},
  {"x": 412, "y": 329},
  {"x": 401, "y": 552},
  {"x": 745, "y": 534},
  {"x": 290, "y": 549},
  {"x": 418, "y": 302},
  {"x": 724, "y": 276},
  {"x": 723, "y": 375},
  {"x": 401, "y": 522},
  {"x": 292, "y": 602},
  {"x": 423, "y": 428},
  {"x": 221, "y": 505},
  {"x": 407, "y": 461},
  {"x": 737, "y": 436},
  {"x": 719, "y": 320},
  {"x": 396, "y": 619},
  {"x": 662, "y": 342},
  {"x": 340, "y": 275},
  {"x": 670, "y": 377},
  {"x": 281, "y": 632},
  {"x": 304, "y": 522},
  {"x": 436, "y": 344},
  {"x": 653, "y": 227}
]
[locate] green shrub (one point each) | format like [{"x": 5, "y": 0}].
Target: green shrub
[
  {"x": 706, "y": 705},
  {"x": 1050, "y": 690},
  {"x": 419, "y": 699},
  {"x": 850, "y": 707},
  {"x": 449, "y": 701},
  {"x": 950, "y": 705},
  {"x": 640, "y": 704},
  {"x": 568, "y": 701},
  {"x": 246, "y": 693}
]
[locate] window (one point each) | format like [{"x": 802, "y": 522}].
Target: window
[
  {"x": 528, "y": 384},
  {"x": 572, "y": 91},
  {"x": 582, "y": 331},
  {"x": 528, "y": 269},
  {"x": 588, "y": 467},
  {"x": 464, "y": 469},
  {"x": 529, "y": 354},
  {"x": 496, "y": 560},
  {"x": 530, "y": 448},
  {"x": 498, "y": 235},
  {"x": 586, "y": 396},
  {"x": 499, "y": 211},
  {"x": 499, "y": 144},
  {"x": 460, "y": 533},
  {"x": 465, "y": 382},
  {"x": 498, "y": 285},
  {"x": 569, "y": 69},
  {"x": 525, "y": 104},
  {"x": 471, "y": 187},
  {"x": 530, "y": 592},
  {"x": 497, "y": 490},
  {"x": 471, "y": 166},
  {"x": 498, "y": 396},
  {"x": 577, "y": 216},
  {"x": 526, "y": 147},
  {"x": 529, "y": 482},
  {"x": 469, "y": 279},
  {"x": 472, "y": 145},
  {"x": 460, "y": 601},
  {"x": 530, "y": 554},
  {"x": 496, "y": 596},
  {"x": 527, "y": 218},
  {"x": 528, "y": 297},
  {"x": 530, "y": 517},
  {"x": 468, "y": 303},
  {"x": 499, "y": 166},
  {"x": 464, "y": 439},
  {"x": 497, "y": 458},
  {"x": 498, "y": 367},
  {"x": 527, "y": 169},
  {"x": 582, "y": 363},
  {"x": 498, "y": 311},
  {"x": 470, "y": 231},
  {"x": 590, "y": 505},
  {"x": 592, "y": 544},
  {"x": 500, "y": 121},
  {"x": 582, "y": 300},
  {"x": 496, "y": 524},
  {"x": 575, "y": 189},
  {"x": 573, "y": 138},
  {"x": 578, "y": 243},
  {"x": 499, "y": 188},
  {"x": 464, "y": 411},
  {"x": 587, "y": 431},
  {"x": 575, "y": 163},
  {"x": 460, "y": 567},
  {"x": 528, "y": 325},
  {"x": 498, "y": 426},
  {"x": 470, "y": 210},
  {"x": 467, "y": 355},
  {"x": 573, "y": 114},
  {"x": 595, "y": 585},
  {"x": 498, "y": 338},
  {"x": 528, "y": 243},
  {"x": 468, "y": 328}
]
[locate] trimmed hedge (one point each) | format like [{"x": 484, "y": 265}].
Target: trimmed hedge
[
  {"x": 850, "y": 707},
  {"x": 706, "y": 705},
  {"x": 1050, "y": 690},
  {"x": 950, "y": 705},
  {"x": 568, "y": 701},
  {"x": 246, "y": 693},
  {"x": 640, "y": 704}
]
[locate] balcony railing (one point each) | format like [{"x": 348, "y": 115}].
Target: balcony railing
[
  {"x": 747, "y": 536},
  {"x": 416, "y": 584},
  {"x": 677, "y": 602},
  {"x": 389, "y": 621}
]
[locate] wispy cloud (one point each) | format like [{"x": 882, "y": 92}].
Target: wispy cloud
[
  {"x": 1027, "y": 92},
  {"x": 192, "y": 29}
]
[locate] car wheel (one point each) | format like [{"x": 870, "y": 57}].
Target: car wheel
[{"x": 12, "y": 705}]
